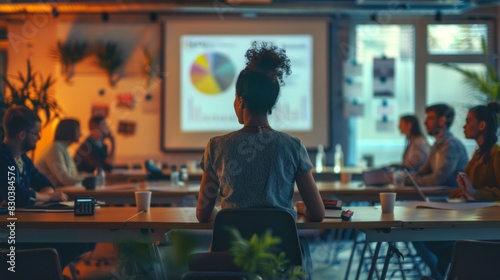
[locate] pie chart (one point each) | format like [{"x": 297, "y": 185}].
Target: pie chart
[{"x": 212, "y": 73}]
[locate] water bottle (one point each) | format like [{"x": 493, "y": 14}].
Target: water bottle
[
  {"x": 100, "y": 178},
  {"x": 184, "y": 175},
  {"x": 320, "y": 159},
  {"x": 338, "y": 159},
  {"x": 174, "y": 176}
]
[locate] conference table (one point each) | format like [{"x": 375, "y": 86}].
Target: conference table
[
  {"x": 405, "y": 224},
  {"x": 117, "y": 224},
  {"x": 165, "y": 194}
]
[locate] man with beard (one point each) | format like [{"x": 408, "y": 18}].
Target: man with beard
[
  {"x": 18, "y": 176},
  {"x": 448, "y": 155}
]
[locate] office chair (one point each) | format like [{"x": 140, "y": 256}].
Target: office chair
[
  {"x": 40, "y": 264},
  {"x": 474, "y": 260},
  {"x": 249, "y": 221}
]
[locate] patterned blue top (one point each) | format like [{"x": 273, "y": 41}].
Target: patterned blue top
[{"x": 256, "y": 169}]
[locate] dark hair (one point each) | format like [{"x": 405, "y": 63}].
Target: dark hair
[
  {"x": 415, "y": 125},
  {"x": 66, "y": 130},
  {"x": 488, "y": 114},
  {"x": 442, "y": 110},
  {"x": 95, "y": 121},
  {"x": 17, "y": 119},
  {"x": 259, "y": 83}
]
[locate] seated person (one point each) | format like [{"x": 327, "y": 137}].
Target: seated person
[
  {"x": 94, "y": 153},
  {"x": 258, "y": 166},
  {"x": 483, "y": 180},
  {"x": 55, "y": 162},
  {"x": 22, "y": 131},
  {"x": 417, "y": 149},
  {"x": 448, "y": 155},
  {"x": 481, "y": 125}
]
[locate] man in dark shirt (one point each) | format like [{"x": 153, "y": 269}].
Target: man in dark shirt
[
  {"x": 94, "y": 153},
  {"x": 19, "y": 178}
]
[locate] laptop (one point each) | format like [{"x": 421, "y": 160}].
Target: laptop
[
  {"x": 376, "y": 177},
  {"x": 424, "y": 197},
  {"x": 417, "y": 186}
]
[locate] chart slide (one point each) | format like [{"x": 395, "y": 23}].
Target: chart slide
[
  {"x": 212, "y": 73},
  {"x": 210, "y": 65}
]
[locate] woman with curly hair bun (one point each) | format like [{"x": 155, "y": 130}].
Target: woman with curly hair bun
[
  {"x": 258, "y": 166},
  {"x": 481, "y": 180}
]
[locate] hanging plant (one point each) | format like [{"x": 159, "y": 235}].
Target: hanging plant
[
  {"x": 110, "y": 59},
  {"x": 69, "y": 54},
  {"x": 150, "y": 70}
]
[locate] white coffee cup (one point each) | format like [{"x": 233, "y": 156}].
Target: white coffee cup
[
  {"x": 143, "y": 200},
  {"x": 387, "y": 201}
]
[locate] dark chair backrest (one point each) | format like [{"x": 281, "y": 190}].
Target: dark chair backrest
[
  {"x": 40, "y": 264},
  {"x": 251, "y": 221},
  {"x": 475, "y": 260}
]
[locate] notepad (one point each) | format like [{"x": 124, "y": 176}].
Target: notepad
[
  {"x": 333, "y": 213},
  {"x": 61, "y": 207},
  {"x": 449, "y": 206}
]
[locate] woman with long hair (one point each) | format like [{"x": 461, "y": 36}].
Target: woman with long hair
[
  {"x": 55, "y": 161},
  {"x": 481, "y": 180},
  {"x": 258, "y": 166},
  {"x": 417, "y": 148}
]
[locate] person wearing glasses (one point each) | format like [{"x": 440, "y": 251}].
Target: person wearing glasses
[
  {"x": 22, "y": 130},
  {"x": 55, "y": 162}
]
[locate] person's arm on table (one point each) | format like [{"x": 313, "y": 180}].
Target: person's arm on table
[
  {"x": 207, "y": 197},
  {"x": 47, "y": 194},
  {"x": 55, "y": 162},
  {"x": 42, "y": 186},
  {"x": 312, "y": 207},
  {"x": 445, "y": 163}
]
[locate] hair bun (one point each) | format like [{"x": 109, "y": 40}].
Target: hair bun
[
  {"x": 269, "y": 60},
  {"x": 494, "y": 106}
]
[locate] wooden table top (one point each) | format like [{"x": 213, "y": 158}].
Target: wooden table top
[{"x": 104, "y": 218}]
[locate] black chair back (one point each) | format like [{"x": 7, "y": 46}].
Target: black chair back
[
  {"x": 251, "y": 221},
  {"x": 475, "y": 260}
]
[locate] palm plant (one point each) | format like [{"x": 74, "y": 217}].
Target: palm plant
[
  {"x": 483, "y": 82},
  {"x": 32, "y": 90},
  {"x": 70, "y": 53},
  {"x": 110, "y": 59}
]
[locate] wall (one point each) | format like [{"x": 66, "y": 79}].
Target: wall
[{"x": 35, "y": 37}]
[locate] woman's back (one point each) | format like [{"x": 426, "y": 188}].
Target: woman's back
[{"x": 256, "y": 169}]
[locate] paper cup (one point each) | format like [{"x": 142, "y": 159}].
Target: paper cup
[
  {"x": 387, "y": 201},
  {"x": 345, "y": 178},
  {"x": 143, "y": 200},
  {"x": 398, "y": 178}
]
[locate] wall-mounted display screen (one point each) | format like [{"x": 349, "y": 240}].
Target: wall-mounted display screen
[{"x": 203, "y": 60}]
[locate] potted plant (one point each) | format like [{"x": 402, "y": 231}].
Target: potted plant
[
  {"x": 258, "y": 257},
  {"x": 70, "y": 53},
  {"x": 32, "y": 90},
  {"x": 110, "y": 59}
]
